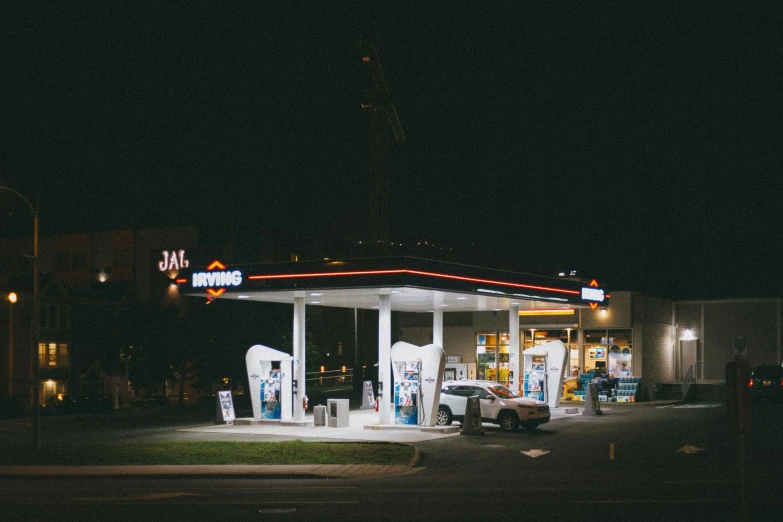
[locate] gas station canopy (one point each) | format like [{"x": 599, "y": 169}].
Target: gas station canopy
[
  {"x": 413, "y": 284},
  {"x": 402, "y": 284}
]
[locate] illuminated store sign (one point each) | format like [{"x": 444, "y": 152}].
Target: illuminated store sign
[
  {"x": 219, "y": 279},
  {"x": 173, "y": 260},
  {"x": 593, "y": 294},
  {"x": 216, "y": 279}
]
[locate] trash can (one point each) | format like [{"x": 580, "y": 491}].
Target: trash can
[
  {"x": 319, "y": 415},
  {"x": 337, "y": 410}
]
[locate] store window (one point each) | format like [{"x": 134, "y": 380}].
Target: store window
[
  {"x": 609, "y": 352},
  {"x": 534, "y": 337},
  {"x": 492, "y": 356}
]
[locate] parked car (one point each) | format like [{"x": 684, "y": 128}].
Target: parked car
[
  {"x": 59, "y": 404},
  {"x": 766, "y": 382},
  {"x": 499, "y": 405}
]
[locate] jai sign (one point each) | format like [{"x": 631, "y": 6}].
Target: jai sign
[{"x": 173, "y": 260}]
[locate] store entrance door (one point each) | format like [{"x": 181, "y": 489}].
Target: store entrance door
[{"x": 492, "y": 356}]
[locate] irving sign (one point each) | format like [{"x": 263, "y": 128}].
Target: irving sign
[{"x": 215, "y": 279}]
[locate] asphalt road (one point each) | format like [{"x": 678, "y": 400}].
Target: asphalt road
[{"x": 634, "y": 462}]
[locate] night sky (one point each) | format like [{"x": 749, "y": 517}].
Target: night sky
[{"x": 640, "y": 144}]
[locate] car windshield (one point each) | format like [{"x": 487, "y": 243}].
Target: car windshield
[{"x": 503, "y": 392}]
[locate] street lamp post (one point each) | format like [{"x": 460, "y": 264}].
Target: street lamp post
[
  {"x": 35, "y": 322},
  {"x": 12, "y": 298}
]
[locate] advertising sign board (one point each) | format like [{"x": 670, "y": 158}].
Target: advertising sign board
[{"x": 227, "y": 406}]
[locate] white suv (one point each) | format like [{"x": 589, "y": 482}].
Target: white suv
[{"x": 499, "y": 405}]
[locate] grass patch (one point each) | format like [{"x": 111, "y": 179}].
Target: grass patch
[{"x": 218, "y": 452}]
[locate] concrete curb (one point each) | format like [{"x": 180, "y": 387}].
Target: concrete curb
[{"x": 416, "y": 458}]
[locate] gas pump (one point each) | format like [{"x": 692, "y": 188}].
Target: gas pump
[
  {"x": 543, "y": 372},
  {"x": 270, "y": 395},
  {"x": 534, "y": 385},
  {"x": 406, "y": 392},
  {"x": 270, "y": 381}
]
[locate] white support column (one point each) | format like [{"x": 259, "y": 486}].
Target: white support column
[
  {"x": 384, "y": 360},
  {"x": 514, "y": 352},
  {"x": 437, "y": 327},
  {"x": 299, "y": 356}
]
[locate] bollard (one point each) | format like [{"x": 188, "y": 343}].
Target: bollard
[
  {"x": 592, "y": 406},
  {"x": 319, "y": 415}
]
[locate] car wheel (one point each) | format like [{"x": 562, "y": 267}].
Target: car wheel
[
  {"x": 508, "y": 421},
  {"x": 443, "y": 417}
]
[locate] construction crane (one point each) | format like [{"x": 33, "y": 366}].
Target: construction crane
[{"x": 378, "y": 103}]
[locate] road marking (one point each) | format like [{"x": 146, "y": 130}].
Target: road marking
[
  {"x": 688, "y": 406},
  {"x": 534, "y": 453},
  {"x": 151, "y": 496},
  {"x": 281, "y": 488},
  {"x": 689, "y": 450},
  {"x": 138, "y": 500},
  {"x": 694, "y": 406},
  {"x": 670, "y": 501},
  {"x": 611, "y": 451}
]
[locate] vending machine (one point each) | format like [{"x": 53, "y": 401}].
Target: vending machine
[{"x": 406, "y": 392}]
